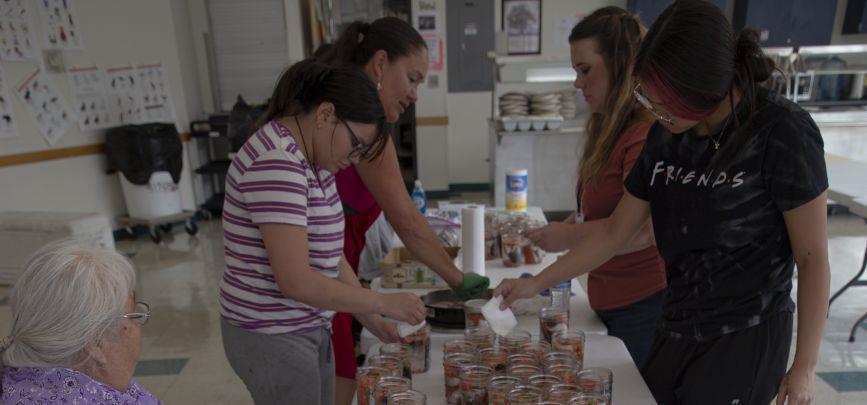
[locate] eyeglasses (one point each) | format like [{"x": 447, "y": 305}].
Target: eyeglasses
[
  {"x": 142, "y": 316},
  {"x": 359, "y": 149},
  {"x": 666, "y": 118}
]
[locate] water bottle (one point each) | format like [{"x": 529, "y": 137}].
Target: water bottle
[
  {"x": 419, "y": 198},
  {"x": 560, "y": 295}
]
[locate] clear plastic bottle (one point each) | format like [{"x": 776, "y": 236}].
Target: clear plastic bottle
[
  {"x": 419, "y": 198},
  {"x": 560, "y": 295}
]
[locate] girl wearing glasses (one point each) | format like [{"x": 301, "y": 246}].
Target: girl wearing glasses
[
  {"x": 626, "y": 291},
  {"x": 76, "y": 335},
  {"x": 734, "y": 179},
  {"x": 285, "y": 273},
  {"x": 394, "y": 57}
]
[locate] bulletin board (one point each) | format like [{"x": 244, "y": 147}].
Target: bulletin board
[{"x": 70, "y": 69}]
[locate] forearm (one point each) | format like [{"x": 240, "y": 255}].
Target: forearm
[
  {"x": 420, "y": 239},
  {"x": 598, "y": 245},
  {"x": 382, "y": 177},
  {"x": 341, "y": 294},
  {"x": 642, "y": 240},
  {"x": 813, "y": 291}
]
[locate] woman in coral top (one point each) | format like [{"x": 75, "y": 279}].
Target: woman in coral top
[{"x": 626, "y": 291}]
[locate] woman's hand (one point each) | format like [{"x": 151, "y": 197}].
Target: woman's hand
[
  {"x": 554, "y": 237},
  {"x": 382, "y": 328},
  {"x": 405, "y": 307},
  {"x": 796, "y": 387},
  {"x": 514, "y": 289}
]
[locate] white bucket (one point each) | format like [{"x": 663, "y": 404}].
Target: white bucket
[{"x": 159, "y": 198}]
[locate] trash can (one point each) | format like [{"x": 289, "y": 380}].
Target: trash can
[{"x": 149, "y": 158}]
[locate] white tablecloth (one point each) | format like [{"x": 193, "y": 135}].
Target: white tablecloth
[{"x": 602, "y": 350}]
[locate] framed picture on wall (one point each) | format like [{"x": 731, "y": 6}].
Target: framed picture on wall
[{"x": 522, "y": 23}]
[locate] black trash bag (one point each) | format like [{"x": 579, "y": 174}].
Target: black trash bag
[
  {"x": 242, "y": 120},
  {"x": 138, "y": 151}
]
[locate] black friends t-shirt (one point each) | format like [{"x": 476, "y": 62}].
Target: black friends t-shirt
[{"x": 719, "y": 226}]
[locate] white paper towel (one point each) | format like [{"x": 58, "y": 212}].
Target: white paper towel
[
  {"x": 502, "y": 321},
  {"x": 473, "y": 239}
]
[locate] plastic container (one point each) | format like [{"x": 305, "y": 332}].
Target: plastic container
[
  {"x": 158, "y": 198},
  {"x": 560, "y": 295},
  {"x": 419, "y": 197},
  {"x": 516, "y": 190}
]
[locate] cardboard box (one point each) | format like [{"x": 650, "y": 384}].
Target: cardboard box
[{"x": 400, "y": 269}]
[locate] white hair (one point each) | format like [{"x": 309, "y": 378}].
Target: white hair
[{"x": 69, "y": 295}]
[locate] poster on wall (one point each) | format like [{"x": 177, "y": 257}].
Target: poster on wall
[
  {"x": 522, "y": 22},
  {"x": 7, "y": 124},
  {"x": 123, "y": 95},
  {"x": 16, "y": 42},
  {"x": 60, "y": 28},
  {"x": 429, "y": 28},
  {"x": 89, "y": 99},
  {"x": 156, "y": 99},
  {"x": 53, "y": 117}
]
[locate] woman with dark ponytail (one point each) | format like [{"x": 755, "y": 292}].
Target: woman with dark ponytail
[
  {"x": 394, "y": 57},
  {"x": 285, "y": 273},
  {"x": 734, "y": 179}
]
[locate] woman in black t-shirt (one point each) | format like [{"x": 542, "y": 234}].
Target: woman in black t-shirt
[{"x": 734, "y": 179}]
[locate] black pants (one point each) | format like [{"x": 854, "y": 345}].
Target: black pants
[{"x": 744, "y": 367}]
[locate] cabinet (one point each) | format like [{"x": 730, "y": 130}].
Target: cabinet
[{"x": 787, "y": 22}]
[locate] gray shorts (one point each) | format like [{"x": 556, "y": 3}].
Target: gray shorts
[{"x": 295, "y": 368}]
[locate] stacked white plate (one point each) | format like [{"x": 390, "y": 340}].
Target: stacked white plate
[
  {"x": 568, "y": 103},
  {"x": 545, "y": 104},
  {"x": 514, "y": 104}
]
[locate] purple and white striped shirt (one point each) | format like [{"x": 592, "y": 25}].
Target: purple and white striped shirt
[{"x": 270, "y": 181}]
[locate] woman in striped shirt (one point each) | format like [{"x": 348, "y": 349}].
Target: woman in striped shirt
[{"x": 283, "y": 233}]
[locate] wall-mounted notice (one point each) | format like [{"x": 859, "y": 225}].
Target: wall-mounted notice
[
  {"x": 123, "y": 95},
  {"x": 156, "y": 100},
  {"x": 89, "y": 99},
  {"x": 52, "y": 115},
  {"x": 7, "y": 124},
  {"x": 60, "y": 29},
  {"x": 16, "y": 41}
]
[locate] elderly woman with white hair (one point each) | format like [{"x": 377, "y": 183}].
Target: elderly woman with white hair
[{"x": 76, "y": 335}]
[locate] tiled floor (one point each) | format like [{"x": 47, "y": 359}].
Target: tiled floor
[{"x": 182, "y": 358}]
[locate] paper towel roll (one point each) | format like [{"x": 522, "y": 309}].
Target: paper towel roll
[{"x": 473, "y": 239}]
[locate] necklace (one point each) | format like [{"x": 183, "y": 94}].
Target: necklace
[
  {"x": 717, "y": 140},
  {"x": 309, "y": 162}
]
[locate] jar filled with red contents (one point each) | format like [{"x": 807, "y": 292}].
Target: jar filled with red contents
[
  {"x": 499, "y": 387},
  {"x": 495, "y": 358},
  {"x": 543, "y": 381},
  {"x": 474, "y": 384},
  {"x": 480, "y": 336},
  {"x": 473, "y": 313},
  {"x": 552, "y": 320},
  {"x": 512, "y": 249},
  {"x": 419, "y": 348},
  {"x": 524, "y": 395},
  {"x": 570, "y": 341},
  {"x": 513, "y": 341},
  {"x": 458, "y": 346},
  {"x": 538, "y": 349},
  {"x": 523, "y": 372},
  {"x": 365, "y": 380},
  {"x": 401, "y": 351},
  {"x": 452, "y": 364},
  {"x": 388, "y": 385},
  {"x": 562, "y": 393}
]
